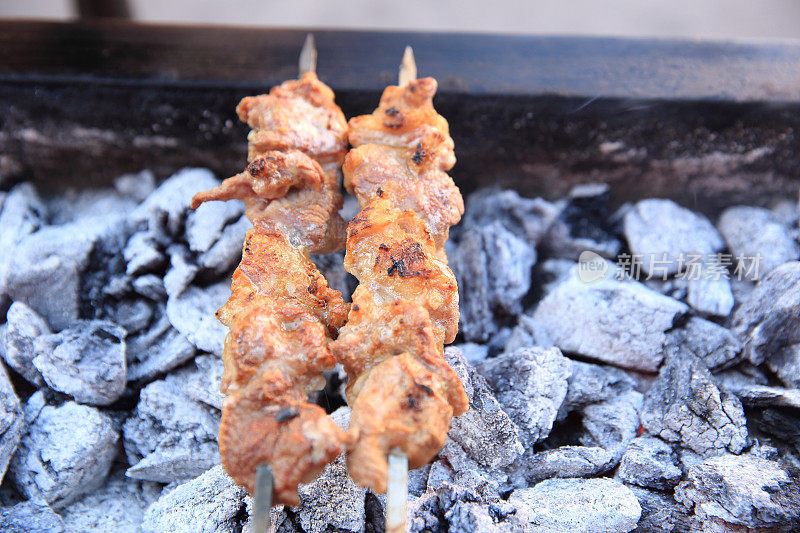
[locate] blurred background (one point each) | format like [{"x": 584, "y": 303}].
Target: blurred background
[{"x": 707, "y": 19}]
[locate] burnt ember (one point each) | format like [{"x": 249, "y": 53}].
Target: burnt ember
[{"x": 635, "y": 368}]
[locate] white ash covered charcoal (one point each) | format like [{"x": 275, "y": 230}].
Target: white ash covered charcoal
[
  {"x": 85, "y": 361},
  {"x": 660, "y": 512},
  {"x": 210, "y": 503},
  {"x": 22, "y": 212},
  {"x": 757, "y": 232},
  {"x": 182, "y": 270},
  {"x": 493, "y": 268},
  {"x": 732, "y": 493},
  {"x": 12, "y": 421},
  {"x": 686, "y": 406},
  {"x": 200, "y": 380},
  {"x": 166, "y": 208},
  {"x": 66, "y": 452},
  {"x": 530, "y": 385},
  {"x": 590, "y": 383},
  {"x": 117, "y": 506},
  {"x": 582, "y": 225},
  {"x": 485, "y": 431},
  {"x": 618, "y": 322},
  {"x": 24, "y": 326},
  {"x": 612, "y": 424},
  {"x": 576, "y": 504},
  {"x": 225, "y": 249},
  {"x": 770, "y": 319},
  {"x": 457, "y": 508},
  {"x": 170, "y": 437},
  {"x": 46, "y": 271},
  {"x": 561, "y": 462},
  {"x": 713, "y": 344},
  {"x": 144, "y": 252},
  {"x": 650, "y": 462},
  {"x": 156, "y": 349},
  {"x": 332, "y": 501},
  {"x": 192, "y": 314},
  {"x": 664, "y": 235},
  {"x": 785, "y": 363},
  {"x": 31, "y": 516},
  {"x": 528, "y": 218},
  {"x": 710, "y": 292}
]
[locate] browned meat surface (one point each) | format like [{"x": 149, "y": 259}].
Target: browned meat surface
[
  {"x": 402, "y": 392},
  {"x": 403, "y": 149},
  {"x": 281, "y": 312}
]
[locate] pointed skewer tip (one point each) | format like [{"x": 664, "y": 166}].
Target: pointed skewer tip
[
  {"x": 308, "y": 56},
  {"x": 408, "y": 67}
]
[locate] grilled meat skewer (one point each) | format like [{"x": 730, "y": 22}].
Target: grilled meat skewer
[{"x": 281, "y": 312}]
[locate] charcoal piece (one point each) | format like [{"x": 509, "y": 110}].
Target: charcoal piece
[
  {"x": 32, "y": 516},
  {"x": 24, "y": 327},
  {"x": 332, "y": 267},
  {"x": 156, "y": 350},
  {"x": 418, "y": 480},
  {"x": 201, "y": 380},
  {"x": 206, "y": 224},
  {"x": 474, "y": 353},
  {"x": 133, "y": 315},
  {"x": 676, "y": 288},
  {"x": 21, "y": 213},
  {"x": 528, "y": 218},
  {"x": 685, "y": 406},
  {"x": 612, "y": 424},
  {"x": 117, "y": 286},
  {"x": 12, "y": 421},
  {"x": 118, "y": 506},
  {"x": 46, "y": 268},
  {"x": 227, "y": 251},
  {"x": 137, "y": 185},
  {"x": 182, "y": 270},
  {"x": 660, "y": 512},
  {"x": 170, "y": 437},
  {"x": 561, "y": 462},
  {"x": 737, "y": 492},
  {"x": 770, "y": 319},
  {"x": 143, "y": 253},
  {"x": 192, "y": 313},
  {"x": 485, "y": 431},
  {"x": 589, "y": 383},
  {"x": 468, "y": 517},
  {"x": 493, "y": 268},
  {"x": 575, "y": 504},
  {"x": 106, "y": 266},
  {"x": 76, "y": 204},
  {"x": 423, "y": 514},
  {"x": 713, "y": 344},
  {"x": 332, "y": 501},
  {"x": 785, "y": 363},
  {"x": 166, "y": 208},
  {"x": 66, "y": 453},
  {"x": 618, "y": 322},
  {"x": 459, "y": 468},
  {"x": 210, "y": 503},
  {"x": 649, "y": 462},
  {"x": 582, "y": 225},
  {"x": 756, "y": 232},
  {"x": 765, "y": 396},
  {"x": 709, "y": 291},
  {"x": 741, "y": 377},
  {"x": 526, "y": 334},
  {"x": 85, "y": 361},
  {"x": 150, "y": 286},
  {"x": 530, "y": 385},
  {"x": 664, "y": 235}
]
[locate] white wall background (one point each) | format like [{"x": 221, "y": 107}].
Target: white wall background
[{"x": 709, "y": 19}]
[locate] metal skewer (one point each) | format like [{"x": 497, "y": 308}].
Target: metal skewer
[
  {"x": 397, "y": 483},
  {"x": 262, "y": 498},
  {"x": 308, "y": 56},
  {"x": 264, "y": 482}
]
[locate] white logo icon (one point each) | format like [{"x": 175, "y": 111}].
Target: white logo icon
[{"x": 591, "y": 267}]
